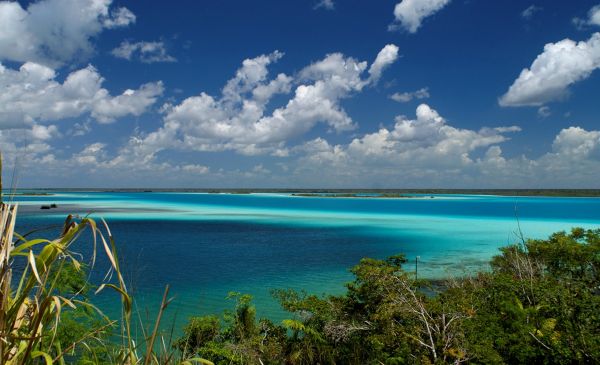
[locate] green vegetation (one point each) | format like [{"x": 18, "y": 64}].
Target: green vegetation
[{"x": 539, "y": 304}]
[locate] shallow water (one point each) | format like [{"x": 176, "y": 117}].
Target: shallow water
[{"x": 205, "y": 245}]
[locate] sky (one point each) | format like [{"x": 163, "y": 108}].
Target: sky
[{"x": 300, "y": 94}]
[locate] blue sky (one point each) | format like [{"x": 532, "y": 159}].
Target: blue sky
[{"x": 339, "y": 93}]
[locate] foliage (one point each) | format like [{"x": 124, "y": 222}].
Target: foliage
[
  {"x": 539, "y": 303},
  {"x": 198, "y": 333},
  {"x": 243, "y": 340},
  {"x": 31, "y": 312}
]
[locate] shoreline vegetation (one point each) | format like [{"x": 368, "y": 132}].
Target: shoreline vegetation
[{"x": 362, "y": 193}]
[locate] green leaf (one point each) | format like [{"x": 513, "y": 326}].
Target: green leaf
[{"x": 45, "y": 355}]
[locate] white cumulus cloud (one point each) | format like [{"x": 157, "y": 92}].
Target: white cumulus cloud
[
  {"x": 409, "y": 14},
  {"x": 387, "y": 56},
  {"x": 54, "y": 32},
  {"x": 593, "y": 18},
  {"x": 32, "y": 94},
  {"x": 120, "y": 17},
  {"x": 428, "y": 137},
  {"x": 425, "y": 150},
  {"x": 107, "y": 109},
  {"x": 548, "y": 78},
  {"x": 594, "y": 15},
  {"x": 238, "y": 119},
  {"x": 577, "y": 143}
]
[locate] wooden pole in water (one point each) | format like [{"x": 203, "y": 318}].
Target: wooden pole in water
[{"x": 416, "y": 268}]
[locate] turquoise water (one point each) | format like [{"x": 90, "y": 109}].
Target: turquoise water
[{"x": 205, "y": 245}]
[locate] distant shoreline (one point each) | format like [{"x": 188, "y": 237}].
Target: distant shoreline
[
  {"x": 363, "y": 195},
  {"x": 396, "y": 193}
]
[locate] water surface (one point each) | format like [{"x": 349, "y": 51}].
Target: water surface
[{"x": 206, "y": 245}]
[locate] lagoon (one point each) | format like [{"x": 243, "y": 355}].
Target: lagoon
[{"x": 206, "y": 245}]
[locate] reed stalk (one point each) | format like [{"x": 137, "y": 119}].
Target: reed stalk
[{"x": 31, "y": 307}]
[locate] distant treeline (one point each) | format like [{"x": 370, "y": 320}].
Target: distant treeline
[
  {"x": 357, "y": 195},
  {"x": 341, "y": 192}
]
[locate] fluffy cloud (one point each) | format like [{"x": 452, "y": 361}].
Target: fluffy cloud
[
  {"x": 553, "y": 71},
  {"x": 91, "y": 155},
  {"x": 425, "y": 150},
  {"x": 574, "y": 160},
  {"x": 106, "y": 109},
  {"x": 411, "y": 13},
  {"x": 422, "y": 152},
  {"x": 53, "y": 32},
  {"x": 405, "y": 97},
  {"x": 23, "y": 147},
  {"x": 36, "y": 133},
  {"x": 593, "y": 18},
  {"x": 120, "y": 17},
  {"x": 426, "y": 138},
  {"x": 577, "y": 143},
  {"x": 32, "y": 94},
  {"x": 594, "y": 15},
  {"x": 387, "y": 56},
  {"x": 238, "y": 120},
  {"x": 147, "y": 52}
]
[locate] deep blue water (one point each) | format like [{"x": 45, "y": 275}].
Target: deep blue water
[{"x": 205, "y": 245}]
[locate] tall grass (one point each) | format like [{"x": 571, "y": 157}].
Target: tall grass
[{"x": 32, "y": 309}]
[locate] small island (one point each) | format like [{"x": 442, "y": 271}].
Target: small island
[{"x": 361, "y": 195}]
